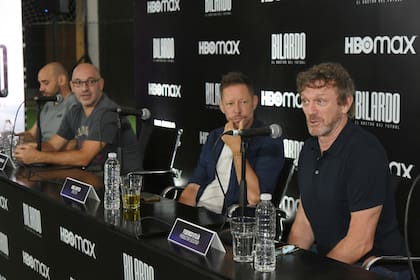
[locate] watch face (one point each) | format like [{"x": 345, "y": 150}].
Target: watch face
[{"x": 3, "y": 71}]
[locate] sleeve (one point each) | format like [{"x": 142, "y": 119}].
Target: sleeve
[
  {"x": 103, "y": 127},
  {"x": 368, "y": 177},
  {"x": 66, "y": 129},
  {"x": 269, "y": 162},
  {"x": 207, "y": 157}
]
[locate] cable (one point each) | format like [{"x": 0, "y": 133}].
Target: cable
[
  {"x": 215, "y": 168},
  {"x": 225, "y": 211},
  {"x": 13, "y": 130},
  {"x": 410, "y": 261}
]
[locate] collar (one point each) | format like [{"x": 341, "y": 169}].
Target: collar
[{"x": 338, "y": 143}]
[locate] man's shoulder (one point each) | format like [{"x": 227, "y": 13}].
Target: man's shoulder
[
  {"x": 71, "y": 99},
  {"x": 214, "y": 134},
  {"x": 106, "y": 102},
  {"x": 363, "y": 137},
  {"x": 74, "y": 109}
]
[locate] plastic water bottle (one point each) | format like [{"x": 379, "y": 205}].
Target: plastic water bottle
[
  {"x": 112, "y": 216},
  {"x": 265, "y": 216},
  {"x": 112, "y": 182},
  {"x": 6, "y": 137}
]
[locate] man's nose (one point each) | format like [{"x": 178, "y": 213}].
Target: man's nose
[
  {"x": 237, "y": 107},
  {"x": 311, "y": 108}
]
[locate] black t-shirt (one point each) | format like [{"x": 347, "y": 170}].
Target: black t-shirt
[{"x": 351, "y": 175}]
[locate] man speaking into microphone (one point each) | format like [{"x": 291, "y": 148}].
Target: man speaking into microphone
[{"x": 216, "y": 179}]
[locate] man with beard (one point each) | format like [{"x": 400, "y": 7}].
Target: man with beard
[{"x": 347, "y": 207}]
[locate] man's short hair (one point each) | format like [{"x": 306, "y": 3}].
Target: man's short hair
[
  {"x": 328, "y": 74},
  {"x": 235, "y": 78}
]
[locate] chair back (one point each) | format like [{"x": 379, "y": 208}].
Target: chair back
[
  {"x": 159, "y": 146},
  {"x": 401, "y": 187},
  {"x": 286, "y": 198},
  {"x": 283, "y": 181}
]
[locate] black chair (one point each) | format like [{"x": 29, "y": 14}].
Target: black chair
[
  {"x": 407, "y": 198},
  {"x": 285, "y": 177},
  {"x": 159, "y": 146}
]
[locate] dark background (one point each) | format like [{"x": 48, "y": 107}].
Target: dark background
[{"x": 126, "y": 32}]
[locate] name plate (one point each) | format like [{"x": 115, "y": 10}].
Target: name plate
[
  {"x": 78, "y": 191},
  {"x": 5, "y": 161},
  {"x": 195, "y": 238}
]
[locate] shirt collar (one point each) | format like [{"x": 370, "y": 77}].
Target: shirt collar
[{"x": 338, "y": 143}]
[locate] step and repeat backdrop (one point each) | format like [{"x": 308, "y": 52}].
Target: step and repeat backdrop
[{"x": 182, "y": 48}]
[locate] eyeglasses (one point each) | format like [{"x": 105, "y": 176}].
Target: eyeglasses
[{"x": 88, "y": 82}]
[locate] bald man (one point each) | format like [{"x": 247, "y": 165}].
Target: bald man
[
  {"x": 53, "y": 80},
  {"x": 93, "y": 123}
]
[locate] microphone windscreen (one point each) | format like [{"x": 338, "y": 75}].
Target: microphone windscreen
[
  {"x": 59, "y": 98},
  {"x": 146, "y": 114},
  {"x": 276, "y": 130}
]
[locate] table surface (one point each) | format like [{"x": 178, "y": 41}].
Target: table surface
[{"x": 145, "y": 239}]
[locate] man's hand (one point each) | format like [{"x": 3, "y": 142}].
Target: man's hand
[
  {"x": 233, "y": 142},
  {"x": 27, "y": 153}
]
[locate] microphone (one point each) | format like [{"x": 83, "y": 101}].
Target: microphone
[
  {"x": 144, "y": 113},
  {"x": 56, "y": 98},
  {"x": 273, "y": 130}
]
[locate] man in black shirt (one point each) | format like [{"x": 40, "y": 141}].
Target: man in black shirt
[{"x": 347, "y": 207}]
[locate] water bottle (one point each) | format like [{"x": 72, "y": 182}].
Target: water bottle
[
  {"x": 112, "y": 216},
  {"x": 112, "y": 182},
  {"x": 6, "y": 137},
  {"x": 265, "y": 216}
]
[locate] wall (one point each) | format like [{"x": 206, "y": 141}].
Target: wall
[
  {"x": 116, "y": 33},
  {"x": 177, "y": 50}
]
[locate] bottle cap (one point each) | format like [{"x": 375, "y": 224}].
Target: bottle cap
[
  {"x": 265, "y": 196},
  {"x": 112, "y": 155}
]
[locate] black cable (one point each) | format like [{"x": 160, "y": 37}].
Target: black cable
[
  {"x": 215, "y": 168},
  {"x": 224, "y": 209},
  {"x": 410, "y": 261},
  {"x": 13, "y": 130}
]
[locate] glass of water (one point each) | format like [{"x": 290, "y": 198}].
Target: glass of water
[{"x": 243, "y": 236}]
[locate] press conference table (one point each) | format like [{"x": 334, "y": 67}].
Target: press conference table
[{"x": 44, "y": 236}]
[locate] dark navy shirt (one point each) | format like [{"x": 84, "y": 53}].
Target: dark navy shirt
[
  {"x": 351, "y": 175},
  {"x": 264, "y": 154}
]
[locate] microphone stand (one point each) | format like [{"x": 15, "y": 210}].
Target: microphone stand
[
  {"x": 119, "y": 137},
  {"x": 38, "y": 123},
  {"x": 243, "y": 186}
]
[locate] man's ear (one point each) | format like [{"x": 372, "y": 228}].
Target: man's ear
[
  {"x": 61, "y": 79},
  {"x": 221, "y": 107},
  {"x": 346, "y": 106},
  {"x": 255, "y": 101}
]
